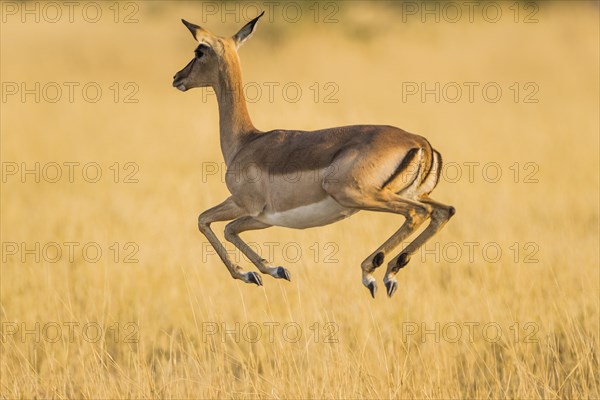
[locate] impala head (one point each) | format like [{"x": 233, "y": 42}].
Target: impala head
[{"x": 213, "y": 55}]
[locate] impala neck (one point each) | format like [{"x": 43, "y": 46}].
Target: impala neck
[{"x": 234, "y": 121}]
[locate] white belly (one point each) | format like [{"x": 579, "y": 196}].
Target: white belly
[{"x": 321, "y": 213}]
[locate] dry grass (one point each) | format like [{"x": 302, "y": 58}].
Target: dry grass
[{"x": 172, "y": 293}]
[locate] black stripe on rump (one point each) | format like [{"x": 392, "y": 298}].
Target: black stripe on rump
[{"x": 410, "y": 156}]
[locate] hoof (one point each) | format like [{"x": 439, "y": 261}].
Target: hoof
[
  {"x": 391, "y": 287},
  {"x": 281, "y": 272},
  {"x": 372, "y": 288},
  {"x": 378, "y": 259},
  {"x": 253, "y": 277}
]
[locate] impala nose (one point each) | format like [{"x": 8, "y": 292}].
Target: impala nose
[
  {"x": 177, "y": 82},
  {"x": 175, "y": 78}
]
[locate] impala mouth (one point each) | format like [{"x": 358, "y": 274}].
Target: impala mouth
[{"x": 179, "y": 85}]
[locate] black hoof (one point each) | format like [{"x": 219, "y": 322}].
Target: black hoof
[
  {"x": 391, "y": 287},
  {"x": 378, "y": 259},
  {"x": 401, "y": 262},
  {"x": 451, "y": 211},
  {"x": 253, "y": 277},
  {"x": 283, "y": 273},
  {"x": 372, "y": 288}
]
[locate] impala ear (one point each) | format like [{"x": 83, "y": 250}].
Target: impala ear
[
  {"x": 195, "y": 29},
  {"x": 244, "y": 33}
]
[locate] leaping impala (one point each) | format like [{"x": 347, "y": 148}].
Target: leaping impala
[{"x": 340, "y": 171}]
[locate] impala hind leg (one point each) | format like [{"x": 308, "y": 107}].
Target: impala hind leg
[
  {"x": 232, "y": 231},
  {"x": 226, "y": 211},
  {"x": 410, "y": 225},
  {"x": 440, "y": 215},
  {"x": 384, "y": 201}
]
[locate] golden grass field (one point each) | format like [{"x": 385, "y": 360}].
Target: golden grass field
[{"x": 520, "y": 324}]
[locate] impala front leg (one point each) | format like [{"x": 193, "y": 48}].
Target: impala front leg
[
  {"x": 226, "y": 211},
  {"x": 232, "y": 231}
]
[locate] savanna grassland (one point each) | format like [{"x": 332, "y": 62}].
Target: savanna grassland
[{"x": 108, "y": 290}]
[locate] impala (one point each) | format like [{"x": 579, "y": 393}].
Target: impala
[{"x": 341, "y": 171}]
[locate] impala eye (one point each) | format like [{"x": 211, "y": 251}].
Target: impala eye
[{"x": 201, "y": 50}]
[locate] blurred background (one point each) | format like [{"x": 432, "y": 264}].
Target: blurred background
[{"x": 108, "y": 290}]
